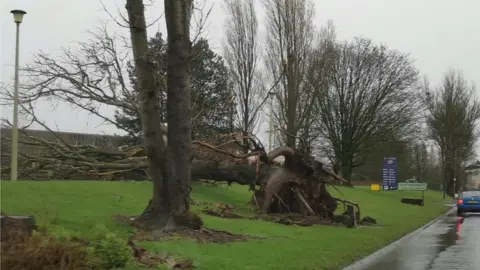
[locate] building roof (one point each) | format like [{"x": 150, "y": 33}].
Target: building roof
[
  {"x": 44, "y": 131},
  {"x": 473, "y": 166}
]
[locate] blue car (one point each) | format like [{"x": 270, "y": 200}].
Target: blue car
[{"x": 468, "y": 201}]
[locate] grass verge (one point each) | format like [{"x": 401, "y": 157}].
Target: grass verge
[{"x": 75, "y": 207}]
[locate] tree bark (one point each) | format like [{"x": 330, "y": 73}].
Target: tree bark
[
  {"x": 158, "y": 160},
  {"x": 242, "y": 174},
  {"x": 177, "y": 16},
  {"x": 346, "y": 169},
  {"x": 291, "y": 100}
]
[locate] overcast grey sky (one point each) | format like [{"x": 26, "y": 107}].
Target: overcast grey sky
[{"x": 438, "y": 33}]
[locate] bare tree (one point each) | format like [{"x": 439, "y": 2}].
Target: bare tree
[
  {"x": 317, "y": 65},
  {"x": 290, "y": 32},
  {"x": 242, "y": 54},
  {"x": 368, "y": 95},
  {"x": 91, "y": 78},
  {"x": 168, "y": 166},
  {"x": 159, "y": 162},
  {"x": 453, "y": 112},
  {"x": 179, "y": 113},
  {"x": 419, "y": 160}
]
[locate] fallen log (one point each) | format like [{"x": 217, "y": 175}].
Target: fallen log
[
  {"x": 230, "y": 172},
  {"x": 59, "y": 160}
]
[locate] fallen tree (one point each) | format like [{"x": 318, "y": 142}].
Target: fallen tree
[
  {"x": 115, "y": 163},
  {"x": 297, "y": 186}
]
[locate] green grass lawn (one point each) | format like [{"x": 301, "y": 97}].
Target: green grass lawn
[{"x": 75, "y": 207}]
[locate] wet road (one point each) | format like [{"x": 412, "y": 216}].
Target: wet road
[{"x": 451, "y": 243}]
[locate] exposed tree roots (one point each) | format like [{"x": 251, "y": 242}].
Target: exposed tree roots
[{"x": 202, "y": 235}]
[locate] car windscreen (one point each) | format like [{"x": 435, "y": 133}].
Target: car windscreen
[{"x": 471, "y": 194}]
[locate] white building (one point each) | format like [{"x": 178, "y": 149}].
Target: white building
[{"x": 473, "y": 176}]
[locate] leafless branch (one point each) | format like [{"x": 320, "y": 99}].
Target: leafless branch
[
  {"x": 92, "y": 77},
  {"x": 453, "y": 112},
  {"x": 289, "y": 38},
  {"x": 368, "y": 95}
]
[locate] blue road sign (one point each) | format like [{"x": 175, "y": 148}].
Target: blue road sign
[{"x": 389, "y": 174}]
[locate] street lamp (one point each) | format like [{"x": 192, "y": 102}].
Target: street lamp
[
  {"x": 17, "y": 17},
  {"x": 271, "y": 95}
]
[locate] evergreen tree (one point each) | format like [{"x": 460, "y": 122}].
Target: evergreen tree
[{"x": 211, "y": 95}]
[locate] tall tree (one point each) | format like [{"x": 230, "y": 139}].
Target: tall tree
[
  {"x": 369, "y": 97},
  {"x": 179, "y": 112},
  {"x": 453, "y": 112},
  {"x": 159, "y": 163},
  {"x": 290, "y": 32},
  {"x": 419, "y": 160},
  {"x": 129, "y": 120},
  {"x": 242, "y": 54},
  {"x": 211, "y": 95},
  {"x": 319, "y": 61},
  {"x": 169, "y": 169}
]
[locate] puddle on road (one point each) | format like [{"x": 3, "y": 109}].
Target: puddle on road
[
  {"x": 447, "y": 239},
  {"x": 420, "y": 251}
]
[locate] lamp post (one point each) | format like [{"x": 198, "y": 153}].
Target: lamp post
[
  {"x": 271, "y": 95},
  {"x": 17, "y": 17}
]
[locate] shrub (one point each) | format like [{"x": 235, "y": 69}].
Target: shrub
[
  {"x": 111, "y": 249},
  {"x": 39, "y": 251},
  {"x": 42, "y": 252}
]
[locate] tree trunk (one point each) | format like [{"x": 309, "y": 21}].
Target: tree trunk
[
  {"x": 291, "y": 100},
  {"x": 177, "y": 15},
  {"x": 346, "y": 169},
  {"x": 450, "y": 187},
  {"x": 242, "y": 174},
  {"x": 245, "y": 141},
  {"x": 158, "y": 161}
]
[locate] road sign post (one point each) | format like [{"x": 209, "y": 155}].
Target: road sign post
[
  {"x": 414, "y": 187},
  {"x": 389, "y": 173},
  {"x": 455, "y": 195}
]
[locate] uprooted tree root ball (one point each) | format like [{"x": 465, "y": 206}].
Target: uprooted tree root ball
[
  {"x": 301, "y": 197},
  {"x": 298, "y": 189}
]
